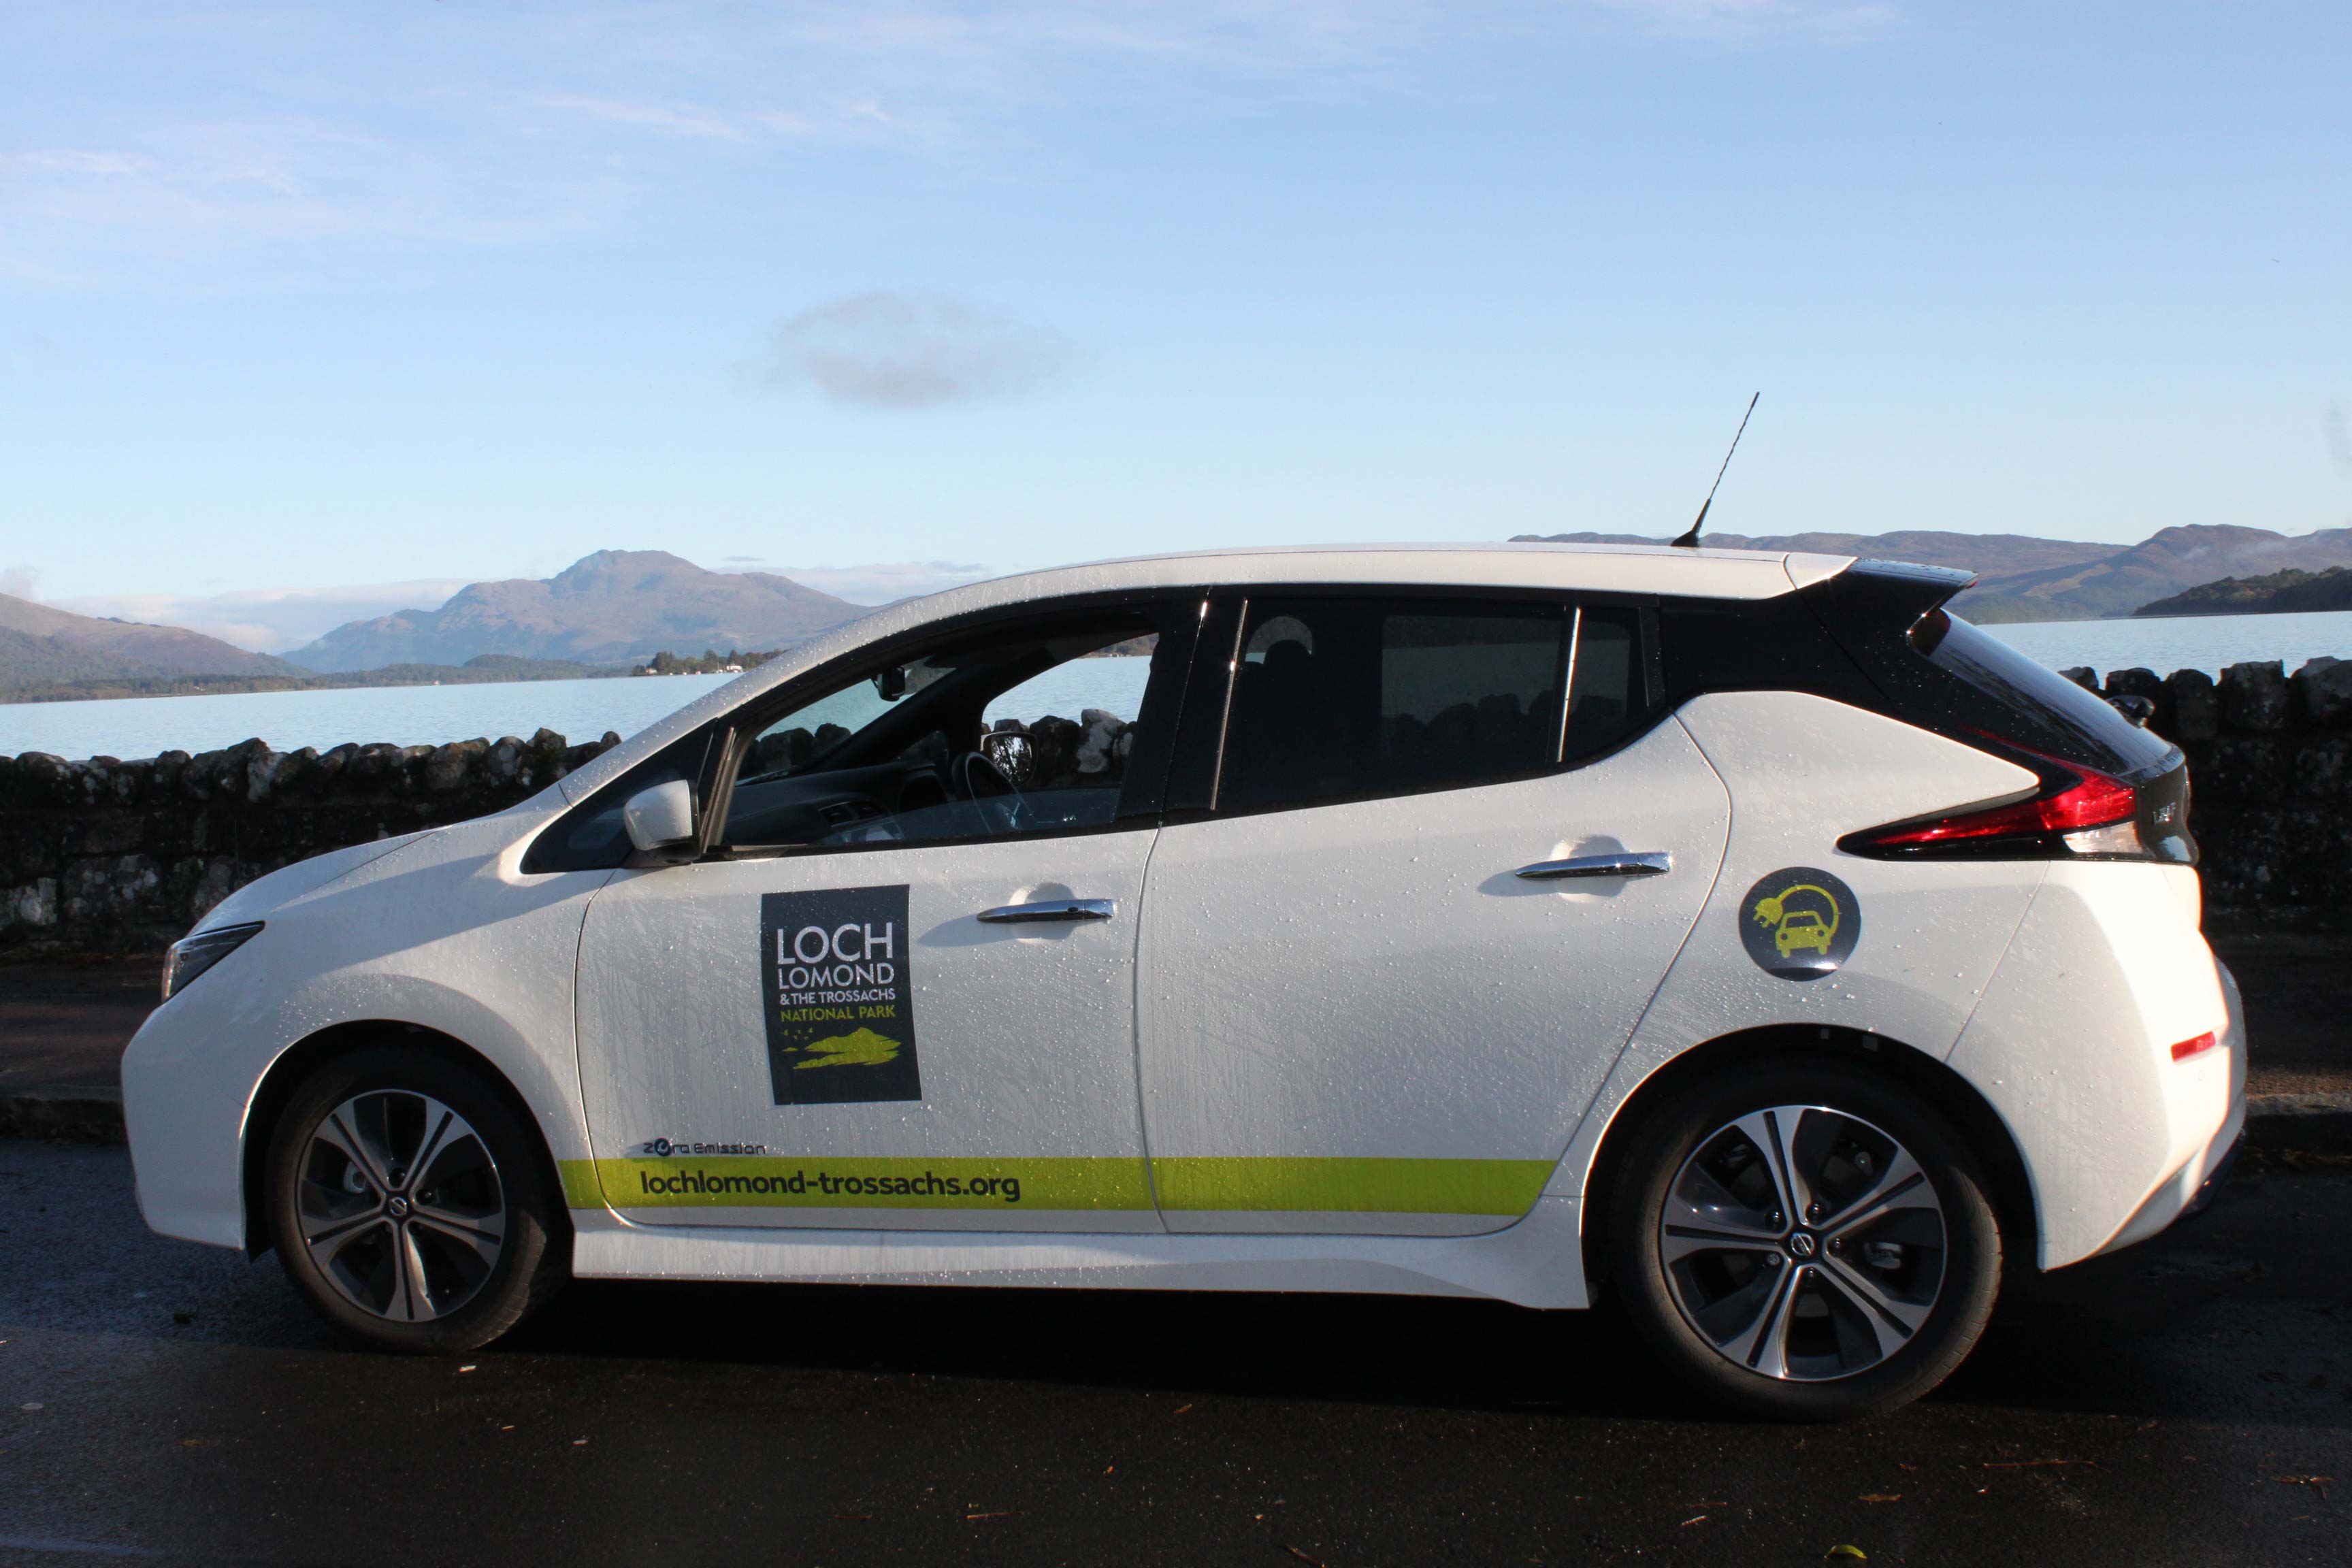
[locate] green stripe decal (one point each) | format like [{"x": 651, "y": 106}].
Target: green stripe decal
[
  {"x": 828, "y": 1182},
  {"x": 1292, "y": 1184},
  {"x": 580, "y": 1188},
  {"x": 1305, "y": 1185}
]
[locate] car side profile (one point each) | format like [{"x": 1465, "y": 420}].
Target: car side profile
[{"x": 1741, "y": 933}]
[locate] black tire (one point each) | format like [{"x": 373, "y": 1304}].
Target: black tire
[
  {"x": 394, "y": 1256},
  {"x": 1707, "y": 1311}
]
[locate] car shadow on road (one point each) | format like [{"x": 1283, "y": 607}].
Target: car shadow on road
[
  {"x": 2226, "y": 1318},
  {"x": 1402, "y": 1350}
]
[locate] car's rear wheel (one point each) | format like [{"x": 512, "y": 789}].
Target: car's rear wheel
[
  {"x": 409, "y": 1204},
  {"x": 1804, "y": 1240}
]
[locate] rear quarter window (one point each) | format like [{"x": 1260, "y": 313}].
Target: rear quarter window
[{"x": 2066, "y": 721}]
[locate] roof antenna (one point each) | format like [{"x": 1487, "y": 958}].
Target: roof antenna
[{"x": 1690, "y": 540}]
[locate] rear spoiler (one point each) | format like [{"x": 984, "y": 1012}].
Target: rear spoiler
[
  {"x": 1872, "y": 606},
  {"x": 1949, "y": 579}
]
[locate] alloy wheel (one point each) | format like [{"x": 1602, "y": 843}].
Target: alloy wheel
[
  {"x": 1804, "y": 1243},
  {"x": 400, "y": 1206}
]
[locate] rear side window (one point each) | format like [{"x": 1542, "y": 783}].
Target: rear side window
[
  {"x": 1346, "y": 698},
  {"x": 2060, "y": 718}
]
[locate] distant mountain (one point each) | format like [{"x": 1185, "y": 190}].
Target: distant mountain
[
  {"x": 616, "y": 606},
  {"x": 2281, "y": 593},
  {"x": 39, "y": 643},
  {"x": 2021, "y": 578},
  {"x": 2171, "y": 562}
]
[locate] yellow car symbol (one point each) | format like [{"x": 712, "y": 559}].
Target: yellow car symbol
[
  {"x": 1796, "y": 929},
  {"x": 1803, "y": 929}
]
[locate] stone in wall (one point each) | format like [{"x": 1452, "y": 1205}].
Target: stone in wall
[
  {"x": 2195, "y": 707},
  {"x": 2254, "y": 695},
  {"x": 2323, "y": 687}
]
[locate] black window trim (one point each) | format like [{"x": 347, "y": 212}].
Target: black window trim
[
  {"x": 731, "y": 729},
  {"x": 701, "y": 777},
  {"x": 1194, "y": 793}
]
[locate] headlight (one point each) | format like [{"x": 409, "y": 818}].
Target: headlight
[{"x": 192, "y": 955}]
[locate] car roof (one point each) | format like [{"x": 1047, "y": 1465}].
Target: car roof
[
  {"x": 1702, "y": 573},
  {"x": 1619, "y": 568}
]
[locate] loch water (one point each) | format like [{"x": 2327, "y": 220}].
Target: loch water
[{"x": 583, "y": 709}]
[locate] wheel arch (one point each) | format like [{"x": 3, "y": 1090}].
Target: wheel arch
[
  {"x": 1987, "y": 1137},
  {"x": 299, "y": 1061}
]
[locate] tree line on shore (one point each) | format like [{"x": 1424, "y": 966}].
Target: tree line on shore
[{"x": 712, "y": 662}]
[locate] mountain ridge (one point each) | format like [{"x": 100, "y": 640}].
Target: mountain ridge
[
  {"x": 40, "y": 644},
  {"x": 2021, "y": 577},
  {"x": 609, "y": 607}
]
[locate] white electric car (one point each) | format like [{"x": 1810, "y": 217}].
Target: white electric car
[{"x": 1740, "y": 932}]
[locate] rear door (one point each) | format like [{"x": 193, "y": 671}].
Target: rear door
[{"x": 1355, "y": 1015}]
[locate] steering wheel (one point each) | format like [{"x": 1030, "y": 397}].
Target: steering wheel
[{"x": 980, "y": 777}]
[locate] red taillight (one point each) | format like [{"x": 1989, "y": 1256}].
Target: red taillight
[
  {"x": 2094, "y": 800},
  {"x": 2198, "y": 1047}
]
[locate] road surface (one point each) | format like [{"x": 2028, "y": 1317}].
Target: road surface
[{"x": 2189, "y": 1401}]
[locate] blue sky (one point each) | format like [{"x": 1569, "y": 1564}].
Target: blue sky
[{"x": 298, "y": 297}]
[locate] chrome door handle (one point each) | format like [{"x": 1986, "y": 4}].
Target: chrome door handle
[
  {"x": 1052, "y": 909},
  {"x": 1620, "y": 863}
]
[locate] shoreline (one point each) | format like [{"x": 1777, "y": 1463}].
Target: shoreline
[{"x": 392, "y": 676}]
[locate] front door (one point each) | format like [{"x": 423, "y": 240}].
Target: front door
[
  {"x": 898, "y": 993},
  {"x": 1357, "y": 1016}
]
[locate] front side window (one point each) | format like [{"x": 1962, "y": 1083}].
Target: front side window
[{"x": 1022, "y": 731}]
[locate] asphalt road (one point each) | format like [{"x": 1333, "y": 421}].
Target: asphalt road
[{"x": 2178, "y": 1404}]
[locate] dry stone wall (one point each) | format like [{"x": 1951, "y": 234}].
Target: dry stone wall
[
  {"x": 107, "y": 855},
  {"x": 2270, "y": 763}
]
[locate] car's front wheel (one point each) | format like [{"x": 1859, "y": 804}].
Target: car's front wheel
[
  {"x": 1804, "y": 1240},
  {"x": 407, "y": 1203}
]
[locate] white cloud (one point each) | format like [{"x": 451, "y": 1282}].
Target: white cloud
[
  {"x": 909, "y": 351},
  {"x": 20, "y": 583},
  {"x": 78, "y": 161},
  {"x": 269, "y": 620}
]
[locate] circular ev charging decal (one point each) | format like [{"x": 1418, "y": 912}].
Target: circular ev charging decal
[{"x": 1801, "y": 923}]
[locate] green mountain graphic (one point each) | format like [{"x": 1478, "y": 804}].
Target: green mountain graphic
[{"x": 862, "y": 1049}]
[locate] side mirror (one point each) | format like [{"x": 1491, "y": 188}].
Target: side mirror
[
  {"x": 660, "y": 821},
  {"x": 891, "y": 683}
]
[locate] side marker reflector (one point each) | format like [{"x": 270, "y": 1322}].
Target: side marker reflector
[{"x": 2198, "y": 1047}]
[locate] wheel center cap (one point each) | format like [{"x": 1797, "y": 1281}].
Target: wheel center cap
[
  {"x": 1800, "y": 1245},
  {"x": 398, "y": 1209}
]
